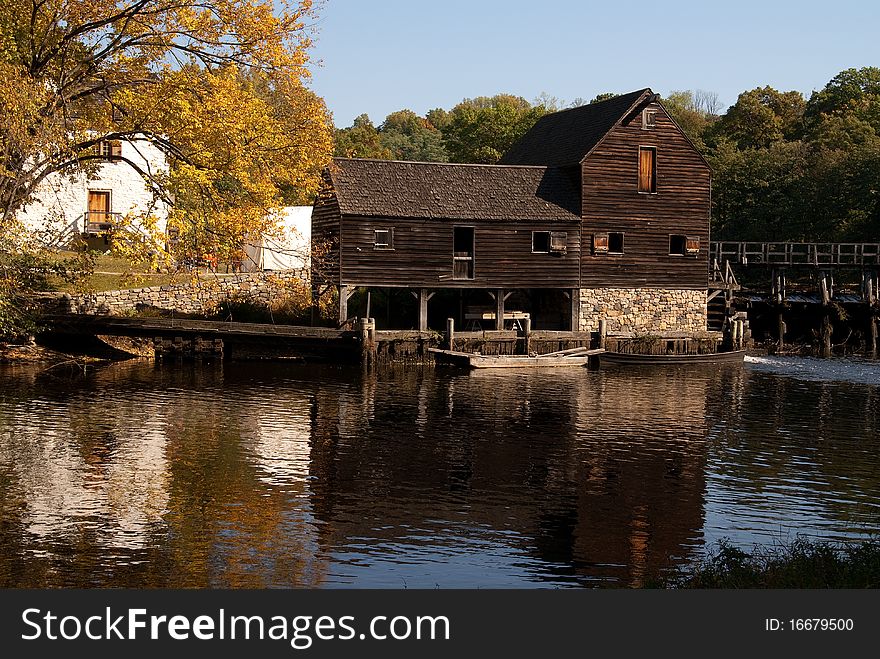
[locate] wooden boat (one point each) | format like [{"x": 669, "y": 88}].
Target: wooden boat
[
  {"x": 575, "y": 357},
  {"x": 622, "y": 358}
]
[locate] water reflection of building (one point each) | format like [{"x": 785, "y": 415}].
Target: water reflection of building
[
  {"x": 107, "y": 476},
  {"x": 599, "y": 472},
  {"x": 155, "y": 477}
]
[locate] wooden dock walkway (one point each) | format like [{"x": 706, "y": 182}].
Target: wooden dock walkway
[{"x": 777, "y": 254}]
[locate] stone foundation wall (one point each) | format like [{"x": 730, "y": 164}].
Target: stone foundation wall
[
  {"x": 644, "y": 310},
  {"x": 186, "y": 297}
]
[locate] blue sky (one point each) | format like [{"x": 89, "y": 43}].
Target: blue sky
[{"x": 379, "y": 56}]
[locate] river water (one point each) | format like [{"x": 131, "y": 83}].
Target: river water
[{"x": 279, "y": 475}]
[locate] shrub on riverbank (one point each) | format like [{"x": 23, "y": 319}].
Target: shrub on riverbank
[{"x": 802, "y": 564}]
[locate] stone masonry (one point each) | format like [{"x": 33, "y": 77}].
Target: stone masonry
[
  {"x": 187, "y": 297},
  {"x": 643, "y": 310}
]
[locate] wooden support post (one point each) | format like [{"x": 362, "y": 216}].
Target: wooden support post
[
  {"x": 527, "y": 335},
  {"x": 870, "y": 291},
  {"x": 450, "y": 333},
  {"x": 367, "y": 335},
  {"x": 499, "y": 309},
  {"x": 603, "y": 332},
  {"x": 779, "y": 286},
  {"x": 575, "y": 323},
  {"x": 423, "y": 309},
  {"x": 781, "y": 330},
  {"x": 826, "y": 283},
  {"x": 874, "y": 331},
  {"x": 826, "y": 329},
  {"x": 345, "y": 292}
]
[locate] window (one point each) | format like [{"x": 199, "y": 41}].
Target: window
[
  {"x": 558, "y": 242},
  {"x": 462, "y": 252},
  {"x": 615, "y": 243},
  {"x": 541, "y": 242},
  {"x": 549, "y": 242},
  {"x": 383, "y": 239},
  {"x": 608, "y": 243},
  {"x": 110, "y": 149},
  {"x": 647, "y": 169},
  {"x": 684, "y": 245},
  {"x": 649, "y": 119}
]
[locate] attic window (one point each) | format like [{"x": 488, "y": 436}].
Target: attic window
[
  {"x": 647, "y": 169},
  {"x": 110, "y": 149},
  {"x": 649, "y": 119},
  {"x": 383, "y": 239}
]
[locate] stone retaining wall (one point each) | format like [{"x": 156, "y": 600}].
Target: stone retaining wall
[
  {"x": 643, "y": 309},
  {"x": 188, "y": 297}
]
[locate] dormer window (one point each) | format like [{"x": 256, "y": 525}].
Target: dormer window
[{"x": 649, "y": 119}]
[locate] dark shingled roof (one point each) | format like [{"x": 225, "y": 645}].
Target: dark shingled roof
[
  {"x": 564, "y": 138},
  {"x": 393, "y": 188}
]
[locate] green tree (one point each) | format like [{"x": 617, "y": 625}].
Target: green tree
[
  {"x": 361, "y": 140},
  {"x": 853, "y": 92},
  {"x": 410, "y": 137},
  {"x": 763, "y": 116},
  {"x": 481, "y": 129},
  {"x": 694, "y": 111}
]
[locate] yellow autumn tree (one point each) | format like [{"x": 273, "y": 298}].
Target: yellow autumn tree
[{"x": 218, "y": 85}]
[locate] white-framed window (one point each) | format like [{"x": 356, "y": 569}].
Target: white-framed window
[{"x": 649, "y": 119}]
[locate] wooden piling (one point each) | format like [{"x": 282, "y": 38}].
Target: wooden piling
[
  {"x": 781, "y": 329},
  {"x": 827, "y": 328},
  {"x": 603, "y": 332},
  {"x": 527, "y": 335},
  {"x": 367, "y": 335},
  {"x": 874, "y": 332},
  {"x": 450, "y": 334}
]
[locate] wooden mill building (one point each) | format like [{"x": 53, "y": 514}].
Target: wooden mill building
[{"x": 600, "y": 211}]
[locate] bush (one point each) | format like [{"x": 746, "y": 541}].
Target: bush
[{"x": 802, "y": 564}]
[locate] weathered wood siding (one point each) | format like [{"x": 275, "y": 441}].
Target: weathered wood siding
[
  {"x": 611, "y": 203},
  {"x": 326, "y": 219},
  {"x": 422, "y": 254}
]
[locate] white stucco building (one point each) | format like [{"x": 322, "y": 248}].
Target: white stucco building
[{"x": 77, "y": 202}]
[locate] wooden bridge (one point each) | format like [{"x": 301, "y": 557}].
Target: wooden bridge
[
  {"x": 817, "y": 255},
  {"x": 804, "y": 273}
]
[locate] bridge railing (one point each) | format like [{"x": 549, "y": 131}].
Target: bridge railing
[{"x": 807, "y": 254}]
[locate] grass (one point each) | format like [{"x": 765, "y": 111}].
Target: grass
[
  {"x": 112, "y": 273},
  {"x": 801, "y": 564}
]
